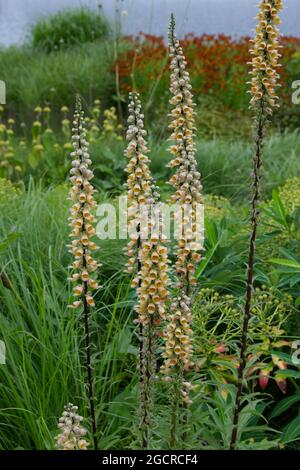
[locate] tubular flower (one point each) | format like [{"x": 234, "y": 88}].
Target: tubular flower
[
  {"x": 265, "y": 52},
  {"x": 71, "y": 436},
  {"x": 186, "y": 181},
  {"x": 153, "y": 281},
  {"x": 148, "y": 257},
  {"x": 139, "y": 180},
  {"x": 178, "y": 348},
  {"x": 82, "y": 220}
]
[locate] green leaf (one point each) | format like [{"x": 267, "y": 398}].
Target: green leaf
[
  {"x": 205, "y": 261},
  {"x": 105, "y": 169},
  {"x": 284, "y": 405},
  {"x": 34, "y": 159},
  {"x": 294, "y": 280},
  {"x": 288, "y": 373},
  {"x": 122, "y": 405},
  {"x": 281, "y": 343},
  {"x": 124, "y": 345},
  {"x": 9, "y": 240},
  {"x": 286, "y": 357},
  {"x": 279, "y": 208},
  {"x": 212, "y": 236},
  {"x": 292, "y": 430},
  {"x": 296, "y": 218},
  {"x": 211, "y": 233},
  {"x": 286, "y": 262}
]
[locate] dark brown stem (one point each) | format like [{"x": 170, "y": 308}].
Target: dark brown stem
[
  {"x": 116, "y": 58},
  {"x": 143, "y": 398},
  {"x": 88, "y": 362},
  {"x": 144, "y": 357},
  {"x": 249, "y": 285},
  {"x": 141, "y": 329},
  {"x": 5, "y": 280},
  {"x": 148, "y": 370},
  {"x": 174, "y": 412},
  {"x": 185, "y": 420},
  {"x": 89, "y": 367}
]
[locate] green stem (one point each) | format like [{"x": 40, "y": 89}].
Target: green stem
[{"x": 89, "y": 370}]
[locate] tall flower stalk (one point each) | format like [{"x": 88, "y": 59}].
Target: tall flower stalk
[
  {"x": 147, "y": 259},
  {"x": 82, "y": 221},
  {"x": 264, "y": 64},
  {"x": 186, "y": 182}
]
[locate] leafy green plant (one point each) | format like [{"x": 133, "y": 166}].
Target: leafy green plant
[
  {"x": 217, "y": 318},
  {"x": 282, "y": 218},
  {"x": 254, "y": 433}
]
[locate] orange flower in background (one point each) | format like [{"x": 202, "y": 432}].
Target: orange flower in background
[{"x": 218, "y": 65}]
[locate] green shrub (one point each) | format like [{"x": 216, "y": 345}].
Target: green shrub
[
  {"x": 68, "y": 28},
  {"x": 8, "y": 192}
]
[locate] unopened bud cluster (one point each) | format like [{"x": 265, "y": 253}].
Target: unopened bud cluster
[
  {"x": 265, "y": 52},
  {"x": 82, "y": 220},
  {"x": 71, "y": 436}
]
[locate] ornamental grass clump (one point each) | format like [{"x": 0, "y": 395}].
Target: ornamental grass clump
[
  {"x": 147, "y": 258},
  {"x": 186, "y": 182},
  {"x": 84, "y": 267},
  {"x": 264, "y": 65},
  {"x": 72, "y": 433}
]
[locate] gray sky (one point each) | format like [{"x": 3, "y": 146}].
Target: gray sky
[{"x": 234, "y": 17}]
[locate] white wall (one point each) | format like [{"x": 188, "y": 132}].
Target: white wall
[{"x": 151, "y": 16}]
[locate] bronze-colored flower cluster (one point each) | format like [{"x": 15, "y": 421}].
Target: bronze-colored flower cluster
[
  {"x": 139, "y": 180},
  {"x": 82, "y": 220},
  {"x": 148, "y": 257},
  {"x": 265, "y": 52},
  {"x": 186, "y": 181},
  {"x": 71, "y": 436},
  {"x": 178, "y": 346},
  {"x": 153, "y": 276}
]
